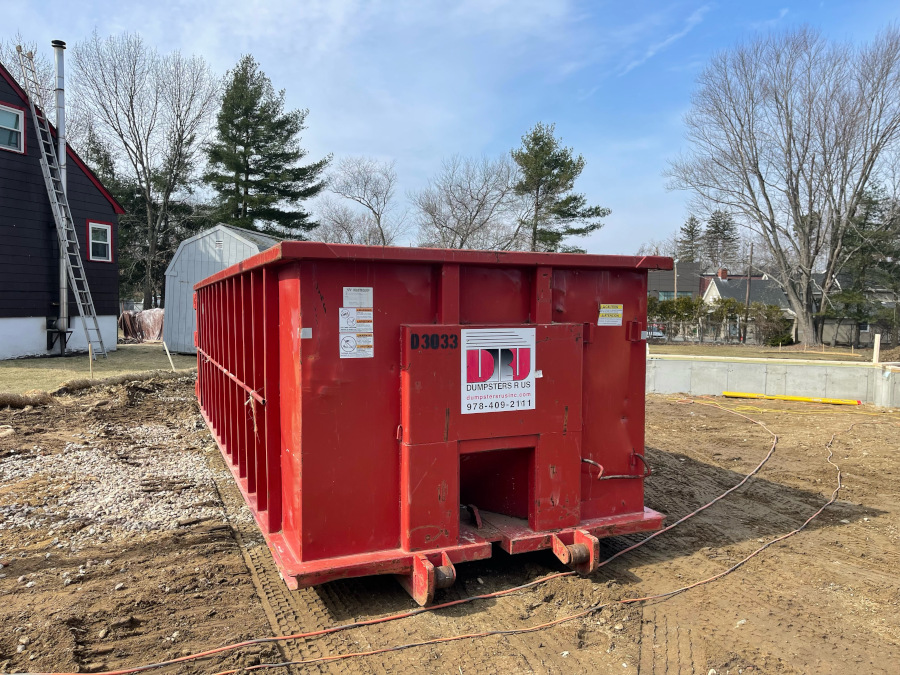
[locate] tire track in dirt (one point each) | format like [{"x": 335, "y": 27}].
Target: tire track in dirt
[
  {"x": 287, "y": 612},
  {"x": 669, "y": 647}
]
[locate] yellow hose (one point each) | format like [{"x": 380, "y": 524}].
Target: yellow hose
[{"x": 806, "y": 399}]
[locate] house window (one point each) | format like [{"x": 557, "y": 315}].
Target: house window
[
  {"x": 100, "y": 242},
  {"x": 864, "y": 328},
  {"x": 667, "y": 295},
  {"x": 12, "y": 124}
]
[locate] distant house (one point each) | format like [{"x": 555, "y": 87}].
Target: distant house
[
  {"x": 29, "y": 253},
  {"x": 767, "y": 291},
  {"x": 661, "y": 283},
  {"x": 762, "y": 289},
  {"x": 198, "y": 257}
]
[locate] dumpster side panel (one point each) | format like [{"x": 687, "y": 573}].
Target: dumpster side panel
[
  {"x": 351, "y": 410},
  {"x": 293, "y": 478},
  {"x": 614, "y": 372},
  {"x": 494, "y": 295}
]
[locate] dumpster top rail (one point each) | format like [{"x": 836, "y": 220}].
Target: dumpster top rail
[{"x": 314, "y": 250}]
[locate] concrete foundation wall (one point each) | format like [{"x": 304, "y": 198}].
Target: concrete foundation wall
[
  {"x": 27, "y": 336},
  {"x": 696, "y": 375}
]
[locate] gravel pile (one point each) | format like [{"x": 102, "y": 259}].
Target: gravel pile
[{"x": 98, "y": 491}]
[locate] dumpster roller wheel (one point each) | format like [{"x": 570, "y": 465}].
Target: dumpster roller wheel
[
  {"x": 581, "y": 552},
  {"x": 426, "y": 577}
]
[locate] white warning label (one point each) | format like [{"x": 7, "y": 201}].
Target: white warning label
[
  {"x": 356, "y": 332},
  {"x": 610, "y": 315},
  {"x": 358, "y": 296},
  {"x": 498, "y": 369}
]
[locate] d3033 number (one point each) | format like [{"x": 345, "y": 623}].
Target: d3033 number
[{"x": 433, "y": 341}]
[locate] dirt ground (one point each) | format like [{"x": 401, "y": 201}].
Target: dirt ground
[
  {"x": 124, "y": 541},
  {"x": 47, "y": 373}
]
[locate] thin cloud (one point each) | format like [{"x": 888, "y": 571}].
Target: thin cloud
[
  {"x": 770, "y": 23},
  {"x": 692, "y": 22}
]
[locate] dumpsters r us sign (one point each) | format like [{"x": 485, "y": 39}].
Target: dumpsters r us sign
[
  {"x": 401, "y": 410},
  {"x": 497, "y": 369}
]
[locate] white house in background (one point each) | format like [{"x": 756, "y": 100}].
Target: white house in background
[
  {"x": 764, "y": 290},
  {"x": 199, "y": 257}
]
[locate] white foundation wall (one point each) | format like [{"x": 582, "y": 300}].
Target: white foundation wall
[
  {"x": 27, "y": 336},
  {"x": 878, "y": 384}
]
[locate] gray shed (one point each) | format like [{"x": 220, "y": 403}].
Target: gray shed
[{"x": 198, "y": 257}]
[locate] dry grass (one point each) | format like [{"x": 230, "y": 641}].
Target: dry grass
[
  {"x": 18, "y": 376},
  {"x": 759, "y": 352}
]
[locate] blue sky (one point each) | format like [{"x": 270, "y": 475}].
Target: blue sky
[{"x": 418, "y": 81}]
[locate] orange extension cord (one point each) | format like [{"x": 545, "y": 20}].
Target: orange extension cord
[{"x": 530, "y": 629}]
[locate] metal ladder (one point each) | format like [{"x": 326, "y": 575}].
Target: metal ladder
[{"x": 59, "y": 204}]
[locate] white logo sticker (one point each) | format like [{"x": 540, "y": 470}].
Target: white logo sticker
[{"x": 498, "y": 369}]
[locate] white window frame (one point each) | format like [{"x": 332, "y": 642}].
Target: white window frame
[
  {"x": 21, "y": 113},
  {"x": 90, "y": 243}
]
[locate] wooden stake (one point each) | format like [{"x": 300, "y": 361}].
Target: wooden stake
[
  {"x": 170, "y": 356},
  {"x": 876, "y": 353},
  {"x": 91, "y": 358}
]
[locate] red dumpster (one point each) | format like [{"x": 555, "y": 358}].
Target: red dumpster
[{"x": 400, "y": 410}]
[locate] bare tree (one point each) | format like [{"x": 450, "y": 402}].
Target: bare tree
[
  {"x": 339, "y": 223},
  {"x": 77, "y": 122},
  {"x": 371, "y": 184},
  {"x": 152, "y": 111},
  {"x": 788, "y": 132},
  {"x": 667, "y": 247},
  {"x": 472, "y": 203}
]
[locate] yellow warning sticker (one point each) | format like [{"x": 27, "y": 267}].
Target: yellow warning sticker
[{"x": 610, "y": 315}]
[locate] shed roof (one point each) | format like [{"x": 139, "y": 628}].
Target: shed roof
[{"x": 260, "y": 240}]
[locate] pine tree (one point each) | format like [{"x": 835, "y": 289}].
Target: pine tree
[
  {"x": 548, "y": 175},
  {"x": 721, "y": 238},
  {"x": 690, "y": 240},
  {"x": 254, "y": 161}
]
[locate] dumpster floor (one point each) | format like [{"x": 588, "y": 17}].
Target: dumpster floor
[{"x": 124, "y": 541}]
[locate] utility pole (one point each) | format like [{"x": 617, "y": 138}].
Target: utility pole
[
  {"x": 675, "y": 275},
  {"x": 747, "y": 296}
]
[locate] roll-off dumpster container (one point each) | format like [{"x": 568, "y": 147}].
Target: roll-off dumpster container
[{"x": 399, "y": 410}]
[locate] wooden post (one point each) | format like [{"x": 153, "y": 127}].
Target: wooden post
[
  {"x": 170, "y": 356},
  {"x": 876, "y": 353},
  {"x": 747, "y": 296},
  {"x": 91, "y": 358}
]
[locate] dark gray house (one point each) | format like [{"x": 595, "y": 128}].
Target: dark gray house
[
  {"x": 29, "y": 254},
  {"x": 661, "y": 283}
]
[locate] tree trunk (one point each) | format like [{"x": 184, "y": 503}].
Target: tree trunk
[
  {"x": 805, "y": 317},
  {"x": 837, "y": 328},
  {"x": 246, "y": 195},
  {"x": 895, "y": 330},
  {"x": 151, "y": 256}
]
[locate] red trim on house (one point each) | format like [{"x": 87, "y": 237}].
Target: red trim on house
[
  {"x": 24, "y": 128},
  {"x": 112, "y": 255},
  {"x": 117, "y": 208}
]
